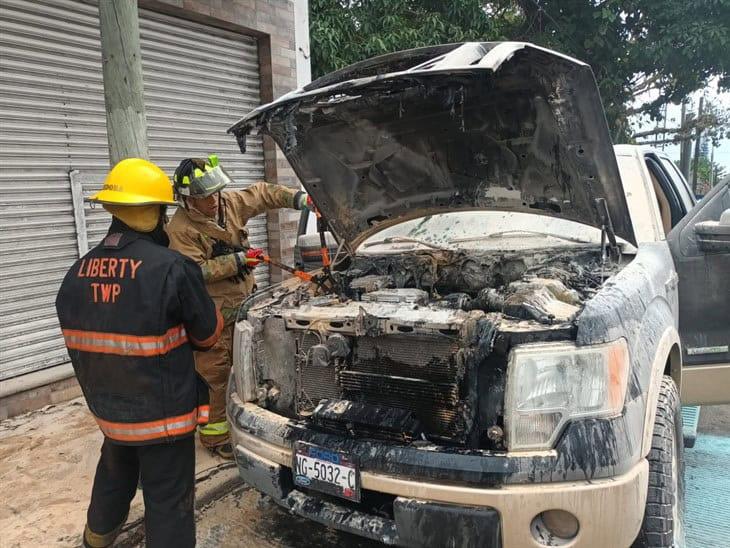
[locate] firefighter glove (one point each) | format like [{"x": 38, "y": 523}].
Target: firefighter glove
[
  {"x": 302, "y": 200},
  {"x": 251, "y": 257}
]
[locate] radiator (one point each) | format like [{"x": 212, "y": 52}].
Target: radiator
[
  {"x": 415, "y": 372},
  {"x": 314, "y": 382}
]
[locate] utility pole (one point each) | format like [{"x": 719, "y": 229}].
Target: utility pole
[
  {"x": 698, "y": 142},
  {"x": 685, "y": 147},
  {"x": 126, "y": 126}
]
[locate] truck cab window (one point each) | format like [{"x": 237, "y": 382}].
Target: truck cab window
[
  {"x": 666, "y": 192},
  {"x": 680, "y": 183}
]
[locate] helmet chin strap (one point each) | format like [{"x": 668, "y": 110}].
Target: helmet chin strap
[{"x": 221, "y": 210}]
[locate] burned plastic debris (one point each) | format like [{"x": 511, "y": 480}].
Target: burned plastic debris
[
  {"x": 543, "y": 287},
  {"x": 362, "y": 420},
  {"x": 541, "y": 299}
]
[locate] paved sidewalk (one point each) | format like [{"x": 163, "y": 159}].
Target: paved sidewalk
[
  {"x": 707, "y": 483},
  {"x": 47, "y": 464}
]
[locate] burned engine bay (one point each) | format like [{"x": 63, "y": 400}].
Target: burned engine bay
[{"x": 413, "y": 347}]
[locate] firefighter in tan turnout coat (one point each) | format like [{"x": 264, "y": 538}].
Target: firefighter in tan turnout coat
[{"x": 210, "y": 228}]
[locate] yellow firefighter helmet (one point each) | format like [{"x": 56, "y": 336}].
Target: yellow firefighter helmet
[{"x": 135, "y": 182}]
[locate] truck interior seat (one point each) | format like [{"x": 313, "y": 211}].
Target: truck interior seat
[{"x": 663, "y": 203}]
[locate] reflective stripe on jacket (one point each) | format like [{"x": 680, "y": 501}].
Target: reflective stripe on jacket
[
  {"x": 131, "y": 312},
  {"x": 152, "y": 430},
  {"x": 125, "y": 345}
]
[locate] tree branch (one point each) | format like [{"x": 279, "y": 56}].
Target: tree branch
[
  {"x": 645, "y": 85},
  {"x": 657, "y": 131},
  {"x": 676, "y": 139}
]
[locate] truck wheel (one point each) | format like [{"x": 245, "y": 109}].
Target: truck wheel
[{"x": 663, "y": 525}]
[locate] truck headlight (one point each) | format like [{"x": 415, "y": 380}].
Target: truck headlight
[
  {"x": 244, "y": 369},
  {"x": 548, "y": 384}
]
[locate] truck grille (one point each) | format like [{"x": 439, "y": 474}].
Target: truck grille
[{"x": 414, "y": 372}]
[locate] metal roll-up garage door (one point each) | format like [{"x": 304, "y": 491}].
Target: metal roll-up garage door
[
  {"x": 51, "y": 120},
  {"x": 198, "y": 81}
]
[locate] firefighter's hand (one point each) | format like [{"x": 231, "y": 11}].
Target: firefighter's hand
[
  {"x": 305, "y": 202},
  {"x": 252, "y": 257}
]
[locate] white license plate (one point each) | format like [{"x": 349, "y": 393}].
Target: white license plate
[{"x": 331, "y": 472}]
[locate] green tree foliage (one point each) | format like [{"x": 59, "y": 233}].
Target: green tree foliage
[
  {"x": 709, "y": 173},
  {"x": 346, "y": 31},
  {"x": 663, "y": 50}
]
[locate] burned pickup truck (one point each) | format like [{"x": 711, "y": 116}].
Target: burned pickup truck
[{"x": 494, "y": 354}]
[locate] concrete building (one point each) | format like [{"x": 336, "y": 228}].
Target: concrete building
[{"x": 205, "y": 64}]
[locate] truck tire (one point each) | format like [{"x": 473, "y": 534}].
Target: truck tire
[{"x": 663, "y": 525}]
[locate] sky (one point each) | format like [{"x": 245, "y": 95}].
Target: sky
[{"x": 722, "y": 151}]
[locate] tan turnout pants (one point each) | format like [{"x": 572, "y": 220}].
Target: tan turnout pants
[{"x": 214, "y": 366}]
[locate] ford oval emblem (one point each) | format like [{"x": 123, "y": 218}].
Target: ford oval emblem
[{"x": 303, "y": 480}]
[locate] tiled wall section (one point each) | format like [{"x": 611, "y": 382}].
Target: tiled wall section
[{"x": 272, "y": 21}]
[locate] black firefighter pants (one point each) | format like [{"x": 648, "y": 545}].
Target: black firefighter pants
[{"x": 167, "y": 471}]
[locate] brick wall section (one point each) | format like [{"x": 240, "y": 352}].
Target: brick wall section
[{"x": 272, "y": 22}]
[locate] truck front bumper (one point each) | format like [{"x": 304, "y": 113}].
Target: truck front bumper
[{"x": 431, "y": 513}]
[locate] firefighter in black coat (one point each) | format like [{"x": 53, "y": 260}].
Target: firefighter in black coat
[{"x": 132, "y": 311}]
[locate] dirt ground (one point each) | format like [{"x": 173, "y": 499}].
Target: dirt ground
[
  {"x": 47, "y": 463},
  {"x": 244, "y": 518},
  {"x": 48, "y": 456}
]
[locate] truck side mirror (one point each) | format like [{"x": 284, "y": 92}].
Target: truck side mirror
[
  {"x": 308, "y": 252},
  {"x": 714, "y": 236}
]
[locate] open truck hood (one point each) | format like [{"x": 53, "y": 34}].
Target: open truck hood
[{"x": 495, "y": 125}]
